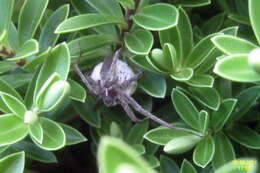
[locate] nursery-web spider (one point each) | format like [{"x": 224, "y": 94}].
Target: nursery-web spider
[{"x": 114, "y": 82}]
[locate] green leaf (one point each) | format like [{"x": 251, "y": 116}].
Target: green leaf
[
  {"x": 13, "y": 163},
  {"x": 181, "y": 102},
  {"x": 30, "y": 16},
  {"x": 12, "y": 129},
  {"x": 232, "y": 45},
  {"x": 204, "y": 121},
  {"x": 199, "y": 52},
  {"x": 186, "y": 167},
  {"x": 204, "y": 152},
  {"x": 184, "y": 74},
  {"x": 245, "y": 100},
  {"x": 148, "y": 17},
  {"x": 229, "y": 67},
  {"x": 135, "y": 135},
  {"x": 90, "y": 42},
  {"x": 139, "y": 41},
  {"x": 201, "y": 80},
  {"x": 47, "y": 37},
  {"x": 167, "y": 165},
  {"x": 14, "y": 105},
  {"x": 142, "y": 61},
  {"x": 110, "y": 7},
  {"x": 73, "y": 136},
  {"x": 236, "y": 166},
  {"x": 7, "y": 88},
  {"x": 245, "y": 136},
  {"x": 3, "y": 36},
  {"x": 17, "y": 79},
  {"x": 29, "y": 48},
  {"x": 220, "y": 116},
  {"x": 163, "y": 135},
  {"x": 53, "y": 96},
  {"x": 181, "y": 144},
  {"x": 208, "y": 97},
  {"x": 160, "y": 60},
  {"x": 254, "y": 5},
  {"x": 34, "y": 152},
  {"x": 36, "y": 131},
  {"x": 114, "y": 156},
  {"x": 13, "y": 39},
  {"x": 180, "y": 36},
  {"x": 197, "y": 3},
  {"x": 86, "y": 21},
  {"x": 211, "y": 26},
  {"x": 152, "y": 160},
  {"x": 77, "y": 92},
  {"x": 116, "y": 131},
  {"x": 53, "y": 135},
  {"x": 3, "y": 148},
  {"x": 6, "y": 9},
  {"x": 224, "y": 150},
  {"x": 87, "y": 112},
  {"x": 58, "y": 61},
  {"x": 154, "y": 85},
  {"x": 6, "y": 66}
]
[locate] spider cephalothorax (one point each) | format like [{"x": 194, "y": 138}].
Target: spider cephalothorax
[{"x": 114, "y": 82}]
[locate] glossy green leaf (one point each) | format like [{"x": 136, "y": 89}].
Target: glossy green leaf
[
  {"x": 3, "y": 36},
  {"x": 73, "y": 136},
  {"x": 110, "y": 7},
  {"x": 220, "y": 116},
  {"x": 115, "y": 130},
  {"x": 224, "y": 150},
  {"x": 7, "y": 88},
  {"x": 53, "y": 96},
  {"x": 47, "y": 37},
  {"x": 180, "y": 36},
  {"x": 15, "y": 105},
  {"x": 36, "y": 131},
  {"x": 181, "y": 144},
  {"x": 245, "y": 136},
  {"x": 142, "y": 61},
  {"x": 114, "y": 156},
  {"x": 254, "y": 17},
  {"x": 184, "y": 74},
  {"x": 77, "y": 92},
  {"x": 232, "y": 45},
  {"x": 135, "y": 135},
  {"x": 154, "y": 85},
  {"x": 152, "y": 161},
  {"x": 233, "y": 167},
  {"x": 201, "y": 80},
  {"x": 253, "y": 60},
  {"x": 90, "y": 42},
  {"x": 58, "y": 61},
  {"x": 208, "y": 97},
  {"x": 160, "y": 60},
  {"x": 211, "y": 26},
  {"x": 13, "y": 163},
  {"x": 17, "y": 80},
  {"x": 12, "y": 129},
  {"x": 6, "y": 66},
  {"x": 3, "y": 148},
  {"x": 191, "y": 3},
  {"x": 139, "y": 41},
  {"x": 29, "y": 48},
  {"x": 13, "y": 38},
  {"x": 245, "y": 100},
  {"x": 186, "y": 167},
  {"x": 148, "y": 17},
  {"x": 139, "y": 148},
  {"x": 204, "y": 121},
  {"x": 53, "y": 135},
  {"x": 163, "y": 135},
  {"x": 204, "y": 152},
  {"x": 181, "y": 102},
  {"x": 6, "y": 9},
  {"x": 229, "y": 67},
  {"x": 30, "y": 16},
  {"x": 87, "y": 112},
  {"x": 86, "y": 21},
  {"x": 35, "y": 152},
  {"x": 167, "y": 165}
]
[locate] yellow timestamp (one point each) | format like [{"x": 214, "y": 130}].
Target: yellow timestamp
[{"x": 245, "y": 165}]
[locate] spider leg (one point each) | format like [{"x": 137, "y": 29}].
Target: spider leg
[
  {"x": 134, "y": 78},
  {"x": 148, "y": 114},
  {"x": 129, "y": 111},
  {"x": 85, "y": 79}
]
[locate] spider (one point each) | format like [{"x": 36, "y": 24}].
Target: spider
[{"x": 114, "y": 82}]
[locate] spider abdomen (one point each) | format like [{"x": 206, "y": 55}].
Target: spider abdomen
[{"x": 122, "y": 72}]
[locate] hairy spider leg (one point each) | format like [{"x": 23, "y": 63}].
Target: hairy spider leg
[
  {"x": 148, "y": 114},
  {"x": 132, "y": 79},
  {"x": 129, "y": 111}
]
